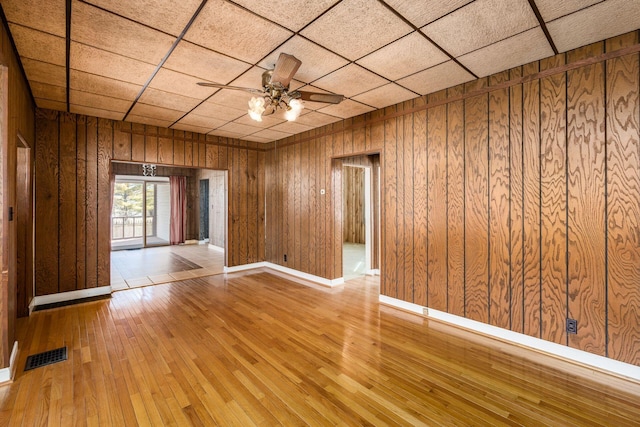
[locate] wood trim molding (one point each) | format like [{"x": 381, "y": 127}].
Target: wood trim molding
[
  {"x": 180, "y": 138},
  {"x": 481, "y": 91}
]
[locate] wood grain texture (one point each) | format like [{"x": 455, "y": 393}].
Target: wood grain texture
[
  {"x": 390, "y": 202},
  {"x": 553, "y": 204},
  {"x": 516, "y": 202},
  {"x": 91, "y": 213},
  {"x": 499, "y": 210},
  {"x": 151, "y": 144},
  {"x": 406, "y": 215},
  {"x": 586, "y": 202},
  {"x": 252, "y": 202},
  {"x": 531, "y": 204},
  {"x": 420, "y": 207},
  {"x": 455, "y": 204},
  {"x": 103, "y": 243},
  {"x": 137, "y": 142},
  {"x": 437, "y": 204},
  {"x": 46, "y": 205},
  {"x": 67, "y": 197},
  {"x": 122, "y": 141},
  {"x": 623, "y": 205},
  {"x": 165, "y": 146},
  {"x": 476, "y": 209}
]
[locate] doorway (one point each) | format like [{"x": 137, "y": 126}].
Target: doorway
[
  {"x": 141, "y": 213},
  {"x": 360, "y": 215},
  {"x": 24, "y": 229}
]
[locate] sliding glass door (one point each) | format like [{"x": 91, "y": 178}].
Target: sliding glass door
[{"x": 141, "y": 214}]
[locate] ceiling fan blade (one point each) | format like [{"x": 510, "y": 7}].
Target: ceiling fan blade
[
  {"x": 221, "y": 86},
  {"x": 285, "y": 69},
  {"x": 329, "y": 98}
]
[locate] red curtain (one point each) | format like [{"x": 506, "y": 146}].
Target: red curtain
[{"x": 178, "y": 188}]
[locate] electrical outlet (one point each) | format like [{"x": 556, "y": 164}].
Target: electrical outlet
[
  {"x": 285, "y": 257},
  {"x": 572, "y": 326}
]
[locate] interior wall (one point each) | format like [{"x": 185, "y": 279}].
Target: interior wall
[
  {"x": 513, "y": 200},
  {"x": 17, "y": 118},
  {"x": 353, "y": 220},
  {"x": 217, "y": 205},
  {"x": 73, "y": 163}
]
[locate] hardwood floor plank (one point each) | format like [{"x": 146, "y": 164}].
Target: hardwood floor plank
[{"x": 209, "y": 351}]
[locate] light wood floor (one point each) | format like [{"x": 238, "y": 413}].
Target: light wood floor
[{"x": 256, "y": 349}]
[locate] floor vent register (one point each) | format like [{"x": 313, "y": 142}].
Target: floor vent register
[{"x": 46, "y": 358}]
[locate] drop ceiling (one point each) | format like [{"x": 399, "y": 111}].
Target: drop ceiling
[{"x": 139, "y": 61}]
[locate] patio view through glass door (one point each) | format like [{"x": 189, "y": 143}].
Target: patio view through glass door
[{"x": 141, "y": 213}]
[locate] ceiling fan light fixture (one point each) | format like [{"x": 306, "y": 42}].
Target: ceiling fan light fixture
[
  {"x": 256, "y": 108},
  {"x": 293, "y": 110}
]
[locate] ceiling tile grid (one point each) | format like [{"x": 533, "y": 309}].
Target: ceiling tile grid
[{"x": 141, "y": 60}]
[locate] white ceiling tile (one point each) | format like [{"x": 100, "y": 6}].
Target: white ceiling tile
[
  {"x": 232, "y": 98},
  {"x": 315, "y": 119},
  {"x": 406, "y": 56},
  {"x": 232, "y": 30},
  {"x": 181, "y": 84},
  {"x": 254, "y": 138},
  {"x": 92, "y": 83},
  {"x": 385, "y": 95},
  {"x": 238, "y": 128},
  {"x": 216, "y": 111},
  {"x": 595, "y": 23},
  {"x": 267, "y": 121},
  {"x": 165, "y": 114},
  {"x": 95, "y": 112},
  {"x": 226, "y": 134},
  {"x": 271, "y": 135},
  {"x": 192, "y": 119},
  {"x": 51, "y": 104},
  {"x": 98, "y": 28},
  {"x": 44, "y": 72},
  {"x": 164, "y": 99},
  {"x": 50, "y": 92},
  {"x": 100, "y": 102},
  {"x": 48, "y": 16},
  {"x": 95, "y": 61},
  {"x": 350, "y": 80},
  {"x": 344, "y": 27},
  {"x": 162, "y": 15},
  {"x": 421, "y": 13},
  {"x": 508, "y": 53},
  {"x": 292, "y": 14},
  {"x": 346, "y": 109},
  {"x": 440, "y": 77},
  {"x": 481, "y": 23},
  {"x": 191, "y": 128},
  {"x": 552, "y": 9},
  {"x": 316, "y": 61},
  {"x": 206, "y": 64},
  {"x": 38, "y": 45},
  {"x": 134, "y": 118},
  {"x": 291, "y": 127}
]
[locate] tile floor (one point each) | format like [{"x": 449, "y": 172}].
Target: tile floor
[
  {"x": 150, "y": 266},
  {"x": 353, "y": 260}
]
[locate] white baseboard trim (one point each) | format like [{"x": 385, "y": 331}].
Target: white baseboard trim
[
  {"x": 216, "y": 248},
  {"x": 306, "y": 276},
  {"x": 373, "y": 272},
  {"x": 571, "y": 354},
  {"x": 244, "y": 267},
  {"x": 69, "y": 296},
  {"x": 287, "y": 270},
  {"x": 7, "y": 374}
]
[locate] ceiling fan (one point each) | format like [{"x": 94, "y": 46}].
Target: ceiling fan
[{"x": 275, "y": 91}]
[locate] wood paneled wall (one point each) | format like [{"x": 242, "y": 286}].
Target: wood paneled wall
[
  {"x": 17, "y": 110},
  {"x": 73, "y": 167},
  {"x": 513, "y": 200},
  {"x": 353, "y": 221}
]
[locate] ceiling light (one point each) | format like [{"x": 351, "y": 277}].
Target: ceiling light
[
  {"x": 294, "y": 109},
  {"x": 256, "y": 108}
]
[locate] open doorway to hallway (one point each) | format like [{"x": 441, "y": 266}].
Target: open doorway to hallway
[{"x": 360, "y": 215}]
